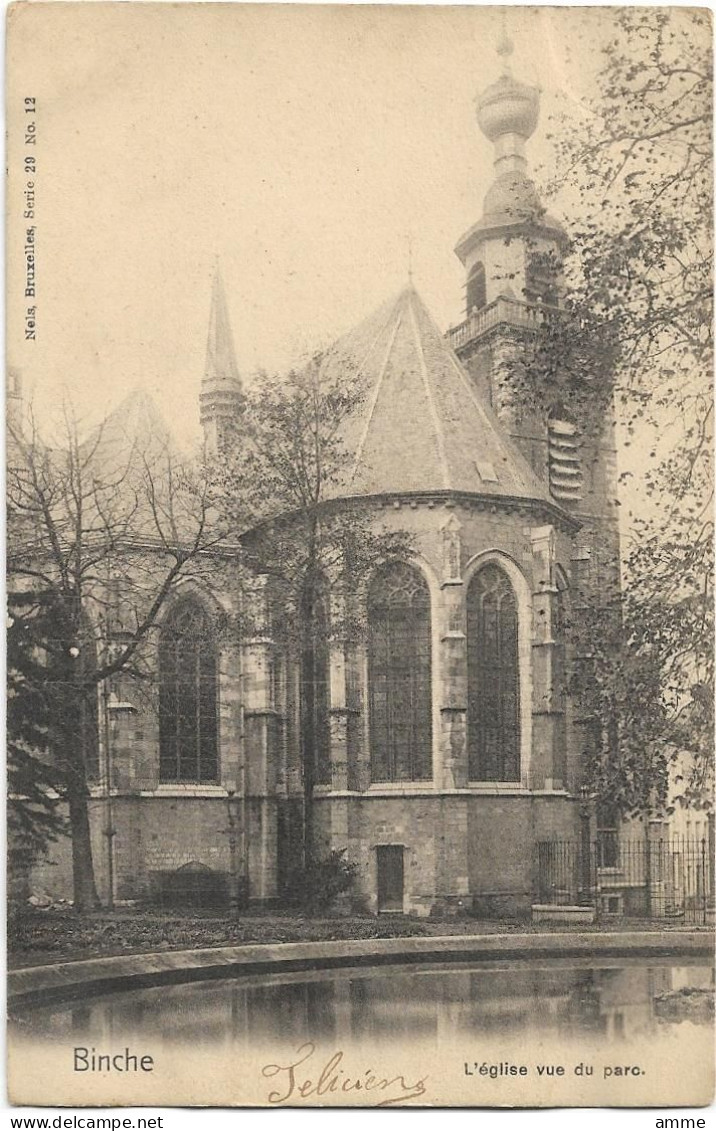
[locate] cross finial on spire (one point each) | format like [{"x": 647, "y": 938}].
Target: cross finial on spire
[
  {"x": 505, "y": 46},
  {"x": 410, "y": 258}
]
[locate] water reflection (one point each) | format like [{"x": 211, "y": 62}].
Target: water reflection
[{"x": 397, "y": 1005}]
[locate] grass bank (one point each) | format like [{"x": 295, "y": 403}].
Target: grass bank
[{"x": 42, "y": 936}]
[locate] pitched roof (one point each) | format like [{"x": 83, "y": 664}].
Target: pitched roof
[
  {"x": 136, "y": 422},
  {"x": 140, "y": 467},
  {"x": 422, "y": 425}
]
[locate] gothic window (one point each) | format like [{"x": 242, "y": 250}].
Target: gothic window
[
  {"x": 493, "y": 685},
  {"x": 188, "y": 697},
  {"x": 315, "y": 685},
  {"x": 399, "y": 680},
  {"x": 476, "y": 292}
]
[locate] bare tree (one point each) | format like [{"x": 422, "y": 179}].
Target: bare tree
[
  {"x": 285, "y": 486},
  {"x": 100, "y": 532}
]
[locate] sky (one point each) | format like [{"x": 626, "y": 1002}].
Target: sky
[{"x": 304, "y": 148}]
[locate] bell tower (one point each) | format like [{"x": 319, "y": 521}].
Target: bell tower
[
  {"x": 507, "y": 297},
  {"x": 496, "y": 251},
  {"x": 513, "y": 258}
]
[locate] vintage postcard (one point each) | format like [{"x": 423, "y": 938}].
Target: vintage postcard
[{"x": 359, "y": 540}]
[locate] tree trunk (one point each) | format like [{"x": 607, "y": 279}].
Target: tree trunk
[
  {"x": 308, "y": 745},
  {"x": 308, "y": 711},
  {"x": 83, "y": 880}
]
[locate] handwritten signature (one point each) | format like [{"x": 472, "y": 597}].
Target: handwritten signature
[{"x": 333, "y": 1079}]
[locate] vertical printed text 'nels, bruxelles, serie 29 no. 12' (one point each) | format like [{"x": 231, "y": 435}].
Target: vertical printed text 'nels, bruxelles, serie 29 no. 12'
[{"x": 29, "y": 165}]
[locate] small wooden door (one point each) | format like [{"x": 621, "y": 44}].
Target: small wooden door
[{"x": 390, "y": 877}]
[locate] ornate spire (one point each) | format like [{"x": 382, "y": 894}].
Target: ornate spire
[
  {"x": 220, "y": 356},
  {"x": 507, "y": 113}
]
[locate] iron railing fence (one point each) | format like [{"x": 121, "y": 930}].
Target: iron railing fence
[{"x": 670, "y": 878}]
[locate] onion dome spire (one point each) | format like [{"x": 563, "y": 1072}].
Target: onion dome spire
[{"x": 507, "y": 113}]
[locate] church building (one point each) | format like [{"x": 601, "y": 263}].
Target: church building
[{"x": 452, "y": 745}]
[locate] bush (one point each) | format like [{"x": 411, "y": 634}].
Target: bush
[{"x": 317, "y": 886}]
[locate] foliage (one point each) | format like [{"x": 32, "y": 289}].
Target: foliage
[
  {"x": 570, "y": 368},
  {"x": 319, "y": 883},
  {"x": 618, "y": 689},
  {"x": 34, "y": 782},
  {"x": 640, "y": 173}
]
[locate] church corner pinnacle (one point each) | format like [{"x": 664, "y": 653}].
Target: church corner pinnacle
[
  {"x": 220, "y": 355},
  {"x": 220, "y": 396}
]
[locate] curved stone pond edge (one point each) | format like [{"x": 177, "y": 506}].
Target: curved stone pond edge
[{"x": 64, "y": 981}]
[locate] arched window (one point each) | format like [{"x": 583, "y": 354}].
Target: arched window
[
  {"x": 493, "y": 685},
  {"x": 188, "y": 706},
  {"x": 315, "y": 684},
  {"x": 476, "y": 293},
  {"x": 400, "y": 697}
]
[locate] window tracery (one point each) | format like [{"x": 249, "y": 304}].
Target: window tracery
[
  {"x": 493, "y": 686},
  {"x": 188, "y": 696},
  {"x": 399, "y": 675}
]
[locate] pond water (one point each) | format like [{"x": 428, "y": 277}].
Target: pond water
[
  {"x": 596, "y": 1003},
  {"x": 523, "y": 1033}
]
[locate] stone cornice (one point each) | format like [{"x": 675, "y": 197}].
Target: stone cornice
[{"x": 537, "y": 507}]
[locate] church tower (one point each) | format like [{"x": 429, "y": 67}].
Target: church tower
[
  {"x": 496, "y": 252},
  {"x": 507, "y": 298},
  {"x": 512, "y": 258},
  {"x": 220, "y": 397}
]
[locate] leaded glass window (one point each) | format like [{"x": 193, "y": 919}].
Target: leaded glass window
[
  {"x": 400, "y": 700},
  {"x": 188, "y": 706},
  {"x": 493, "y": 686}
]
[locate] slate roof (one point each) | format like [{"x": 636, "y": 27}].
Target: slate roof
[{"x": 422, "y": 426}]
